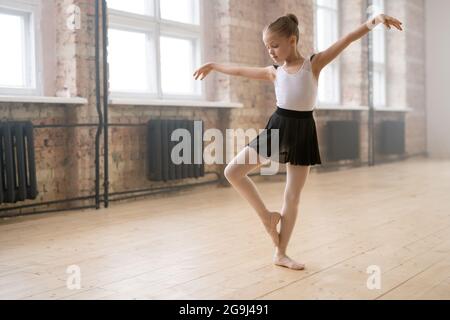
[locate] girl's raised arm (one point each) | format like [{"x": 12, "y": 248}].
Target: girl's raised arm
[
  {"x": 323, "y": 58},
  {"x": 264, "y": 73}
]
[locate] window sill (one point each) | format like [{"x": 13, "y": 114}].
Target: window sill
[
  {"x": 45, "y": 100},
  {"x": 175, "y": 103},
  {"x": 364, "y": 108},
  {"x": 392, "y": 109},
  {"x": 343, "y": 108}
]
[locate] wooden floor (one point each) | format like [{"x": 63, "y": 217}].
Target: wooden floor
[{"x": 208, "y": 244}]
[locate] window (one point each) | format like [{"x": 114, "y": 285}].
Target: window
[
  {"x": 18, "y": 57},
  {"x": 144, "y": 7},
  {"x": 379, "y": 59},
  {"x": 154, "y": 47},
  {"x": 327, "y": 33}
]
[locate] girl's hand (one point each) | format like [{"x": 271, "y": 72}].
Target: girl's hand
[
  {"x": 390, "y": 21},
  {"x": 203, "y": 71},
  {"x": 384, "y": 19}
]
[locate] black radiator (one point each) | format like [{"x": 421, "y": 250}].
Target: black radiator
[
  {"x": 342, "y": 140},
  {"x": 159, "y": 147},
  {"x": 392, "y": 137},
  {"x": 17, "y": 162}
]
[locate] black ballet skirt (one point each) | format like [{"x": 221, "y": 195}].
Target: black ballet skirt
[{"x": 297, "y": 138}]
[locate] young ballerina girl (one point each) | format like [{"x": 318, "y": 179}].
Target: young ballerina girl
[{"x": 295, "y": 79}]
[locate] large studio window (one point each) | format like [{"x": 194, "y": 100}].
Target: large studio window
[
  {"x": 154, "y": 46},
  {"x": 18, "y": 55},
  {"x": 326, "y": 34}
]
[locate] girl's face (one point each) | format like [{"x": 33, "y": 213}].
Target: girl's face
[{"x": 279, "y": 47}]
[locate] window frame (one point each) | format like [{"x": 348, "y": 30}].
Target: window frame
[
  {"x": 161, "y": 27},
  {"x": 31, "y": 11},
  {"x": 336, "y": 63}
]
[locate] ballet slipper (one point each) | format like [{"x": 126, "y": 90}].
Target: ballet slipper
[{"x": 285, "y": 261}]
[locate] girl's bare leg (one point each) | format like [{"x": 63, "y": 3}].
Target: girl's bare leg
[
  {"x": 236, "y": 173},
  {"x": 295, "y": 181}
]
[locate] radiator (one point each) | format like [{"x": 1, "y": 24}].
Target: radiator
[
  {"x": 159, "y": 145},
  {"x": 17, "y": 162},
  {"x": 392, "y": 137},
  {"x": 342, "y": 140}
]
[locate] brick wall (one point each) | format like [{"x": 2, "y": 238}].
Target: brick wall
[{"x": 65, "y": 157}]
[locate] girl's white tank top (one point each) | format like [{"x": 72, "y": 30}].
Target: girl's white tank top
[{"x": 297, "y": 91}]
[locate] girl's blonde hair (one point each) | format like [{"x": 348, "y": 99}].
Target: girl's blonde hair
[{"x": 285, "y": 26}]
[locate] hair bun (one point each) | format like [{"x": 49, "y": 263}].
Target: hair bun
[{"x": 293, "y": 17}]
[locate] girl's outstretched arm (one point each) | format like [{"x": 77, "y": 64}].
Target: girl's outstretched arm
[
  {"x": 265, "y": 73},
  {"x": 325, "y": 57}
]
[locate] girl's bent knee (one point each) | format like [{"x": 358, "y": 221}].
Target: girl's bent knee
[
  {"x": 231, "y": 174},
  {"x": 228, "y": 173}
]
